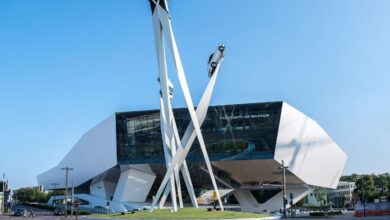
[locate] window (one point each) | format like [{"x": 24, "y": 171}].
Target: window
[{"x": 229, "y": 130}]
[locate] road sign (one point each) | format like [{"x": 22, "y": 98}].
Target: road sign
[{"x": 77, "y": 203}]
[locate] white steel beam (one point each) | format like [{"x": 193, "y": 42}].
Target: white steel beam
[
  {"x": 161, "y": 24},
  {"x": 167, "y": 30}
]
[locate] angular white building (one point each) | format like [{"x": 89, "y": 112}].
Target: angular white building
[{"x": 119, "y": 163}]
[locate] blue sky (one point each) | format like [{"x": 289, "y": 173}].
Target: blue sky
[{"x": 67, "y": 65}]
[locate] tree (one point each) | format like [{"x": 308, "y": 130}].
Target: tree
[
  {"x": 301, "y": 202},
  {"x": 29, "y": 194},
  {"x": 355, "y": 197},
  {"x": 375, "y": 186},
  {"x": 383, "y": 183},
  {"x": 320, "y": 194},
  {"x": 366, "y": 187},
  {"x": 350, "y": 178}
]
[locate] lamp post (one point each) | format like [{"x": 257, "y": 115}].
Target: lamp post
[
  {"x": 54, "y": 186},
  {"x": 283, "y": 168},
  {"x": 67, "y": 169},
  {"x": 71, "y": 209},
  {"x": 3, "y": 192},
  {"x": 363, "y": 199}
]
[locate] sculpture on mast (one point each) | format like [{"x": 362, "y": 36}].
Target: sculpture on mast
[{"x": 176, "y": 148}]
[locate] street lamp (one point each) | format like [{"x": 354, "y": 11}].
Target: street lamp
[
  {"x": 282, "y": 167},
  {"x": 3, "y": 192},
  {"x": 67, "y": 169},
  {"x": 54, "y": 185},
  {"x": 363, "y": 199}
]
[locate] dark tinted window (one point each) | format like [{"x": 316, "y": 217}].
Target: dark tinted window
[{"x": 231, "y": 132}]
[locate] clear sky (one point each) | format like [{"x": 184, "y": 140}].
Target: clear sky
[{"x": 66, "y": 65}]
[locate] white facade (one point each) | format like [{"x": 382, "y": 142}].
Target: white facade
[
  {"x": 342, "y": 195},
  {"x": 93, "y": 154},
  {"x": 307, "y": 150},
  {"x": 94, "y": 160},
  {"x": 1, "y": 201},
  {"x": 133, "y": 185}
]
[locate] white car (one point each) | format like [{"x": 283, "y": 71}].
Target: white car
[{"x": 214, "y": 59}]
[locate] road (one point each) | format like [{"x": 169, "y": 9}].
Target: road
[
  {"x": 347, "y": 215},
  {"x": 40, "y": 214}
]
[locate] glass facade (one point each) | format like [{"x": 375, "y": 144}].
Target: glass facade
[{"x": 231, "y": 132}]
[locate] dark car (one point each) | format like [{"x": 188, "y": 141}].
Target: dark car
[
  {"x": 20, "y": 212},
  {"x": 59, "y": 211}
]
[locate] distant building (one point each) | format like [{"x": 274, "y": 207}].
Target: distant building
[
  {"x": 4, "y": 193},
  {"x": 5, "y": 186},
  {"x": 311, "y": 200},
  {"x": 342, "y": 195}
]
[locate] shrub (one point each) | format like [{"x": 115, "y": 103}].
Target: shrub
[
  {"x": 41, "y": 206},
  {"x": 317, "y": 213},
  {"x": 335, "y": 212},
  {"x": 83, "y": 212}
]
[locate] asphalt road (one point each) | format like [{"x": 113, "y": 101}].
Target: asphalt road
[
  {"x": 39, "y": 214},
  {"x": 347, "y": 217}
]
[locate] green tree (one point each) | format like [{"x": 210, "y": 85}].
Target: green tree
[
  {"x": 367, "y": 188},
  {"x": 375, "y": 186},
  {"x": 383, "y": 183},
  {"x": 30, "y": 194},
  {"x": 57, "y": 192},
  {"x": 320, "y": 194},
  {"x": 350, "y": 178}
]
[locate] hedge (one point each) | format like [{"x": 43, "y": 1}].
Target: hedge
[
  {"x": 49, "y": 207},
  {"x": 41, "y": 206},
  {"x": 335, "y": 212},
  {"x": 317, "y": 213}
]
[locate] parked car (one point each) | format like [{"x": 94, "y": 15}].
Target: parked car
[
  {"x": 59, "y": 211},
  {"x": 214, "y": 59},
  {"x": 20, "y": 212}
]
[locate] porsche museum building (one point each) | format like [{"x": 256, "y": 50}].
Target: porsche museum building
[{"x": 120, "y": 162}]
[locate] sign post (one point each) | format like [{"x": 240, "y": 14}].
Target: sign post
[{"x": 76, "y": 204}]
